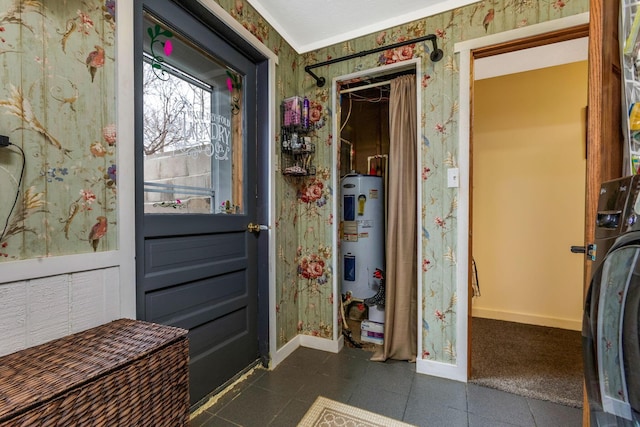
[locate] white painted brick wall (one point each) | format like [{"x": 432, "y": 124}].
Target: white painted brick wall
[
  {"x": 47, "y": 309},
  {"x": 13, "y": 317},
  {"x": 94, "y": 298},
  {"x": 39, "y": 310}
]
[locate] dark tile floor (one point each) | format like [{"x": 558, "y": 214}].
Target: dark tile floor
[{"x": 282, "y": 396}]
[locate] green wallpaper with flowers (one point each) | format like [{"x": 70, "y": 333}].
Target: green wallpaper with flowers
[
  {"x": 57, "y": 103},
  {"x": 304, "y": 206}
]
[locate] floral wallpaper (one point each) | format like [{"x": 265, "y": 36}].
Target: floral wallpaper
[
  {"x": 57, "y": 102},
  {"x": 304, "y": 206},
  {"x": 439, "y": 140}
]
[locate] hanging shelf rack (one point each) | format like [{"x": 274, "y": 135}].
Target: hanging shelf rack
[{"x": 436, "y": 55}]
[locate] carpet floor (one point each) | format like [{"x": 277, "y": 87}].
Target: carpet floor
[{"x": 532, "y": 361}]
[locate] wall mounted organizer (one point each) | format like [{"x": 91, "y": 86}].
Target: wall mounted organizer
[{"x": 295, "y": 138}]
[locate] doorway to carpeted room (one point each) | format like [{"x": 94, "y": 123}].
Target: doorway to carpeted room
[{"x": 532, "y": 361}]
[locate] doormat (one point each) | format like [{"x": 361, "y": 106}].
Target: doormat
[{"x": 329, "y": 413}]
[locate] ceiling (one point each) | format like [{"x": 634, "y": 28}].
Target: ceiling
[{"x": 313, "y": 24}]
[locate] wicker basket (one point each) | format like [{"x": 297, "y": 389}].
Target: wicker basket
[{"x": 124, "y": 373}]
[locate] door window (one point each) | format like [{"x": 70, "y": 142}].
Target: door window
[{"x": 193, "y": 138}]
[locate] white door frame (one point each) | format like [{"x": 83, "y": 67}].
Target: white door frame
[{"x": 464, "y": 127}]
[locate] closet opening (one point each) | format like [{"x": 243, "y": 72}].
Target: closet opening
[{"x": 365, "y": 165}]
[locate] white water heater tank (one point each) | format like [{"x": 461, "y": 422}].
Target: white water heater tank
[{"x": 363, "y": 234}]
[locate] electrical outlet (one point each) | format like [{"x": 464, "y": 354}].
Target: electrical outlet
[{"x": 4, "y": 141}]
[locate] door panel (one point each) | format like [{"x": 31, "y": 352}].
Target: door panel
[
  {"x": 217, "y": 344},
  {"x": 196, "y": 190},
  {"x": 188, "y": 305},
  {"x": 191, "y": 257}
]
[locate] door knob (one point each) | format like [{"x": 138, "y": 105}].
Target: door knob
[
  {"x": 589, "y": 251},
  {"x": 256, "y": 228}
]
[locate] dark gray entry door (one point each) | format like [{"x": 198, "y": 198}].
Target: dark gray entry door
[{"x": 196, "y": 190}]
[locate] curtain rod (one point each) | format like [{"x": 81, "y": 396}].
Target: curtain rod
[
  {"x": 363, "y": 87},
  {"x": 436, "y": 55}
]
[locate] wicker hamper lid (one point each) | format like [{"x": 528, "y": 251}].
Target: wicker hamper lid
[{"x": 38, "y": 374}]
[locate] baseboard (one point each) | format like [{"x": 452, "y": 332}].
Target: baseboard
[
  {"x": 322, "y": 343},
  {"x": 306, "y": 341},
  {"x": 573, "y": 325},
  {"x": 441, "y": 370},
  {"x": 285, "y": 351}
]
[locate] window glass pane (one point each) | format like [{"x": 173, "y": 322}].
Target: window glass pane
[{"x": 193, "y": 132}]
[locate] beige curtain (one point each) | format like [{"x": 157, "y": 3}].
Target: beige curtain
[{"x": 400, "y": 339}]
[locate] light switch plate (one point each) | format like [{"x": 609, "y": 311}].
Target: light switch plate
[{"x": 452, "y": 177}]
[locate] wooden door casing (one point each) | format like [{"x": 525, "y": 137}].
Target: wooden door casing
[{"x": 604, "y": 130}]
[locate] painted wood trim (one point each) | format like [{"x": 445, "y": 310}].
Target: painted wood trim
[
  {"x": 464, "y": 221},
  {"x": 285, "y": 351},
  {"x": 441, "y": 370},
  {"x": 236, "y": 26},
  {"x": 520, "y": 33},
  {"x": 37, "y": 268},
  {"x": 557, "y": 36},
  {"x": 419, "y": 201},
  {"x": 126, "y": 157},
  {"x": 470, "y": 219},
  {"x": 322, "y": 343}
]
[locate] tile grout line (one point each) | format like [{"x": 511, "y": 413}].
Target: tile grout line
[
  {"x": 279, "y": 412},
  {"x": 406, "y": 403}
]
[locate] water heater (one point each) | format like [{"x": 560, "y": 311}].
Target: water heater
[{"x": 363, "y": 234}]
